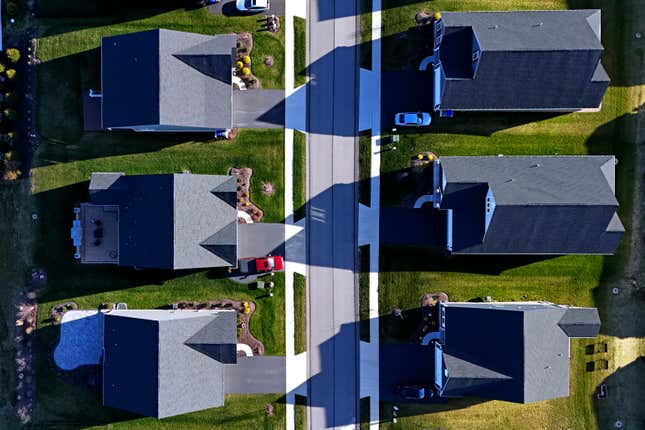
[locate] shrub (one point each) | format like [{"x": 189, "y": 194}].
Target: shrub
[
  {"x": 10, "y": 113},
  {"x": 2, "y": 68},
  {"x": 12, "y": 155},
  {"x": 246, "y": 59},
  {"x": 239, "y": 65},
  {"x": 11, "y": 73},
  {"x": 11, "y": 98},
  {"x": 12, "y": 8},
  {"x": 13, "y": 55},
  {"x": 13, "y": 135},
  {"x": 246, "y": 71}
]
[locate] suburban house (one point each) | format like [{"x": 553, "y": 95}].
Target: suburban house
[
  {"x": 528, "y": 204},
  {"x": 161, "y": 363},
  {"x": 517, "y": 352},
  {"x": 168, "y": 221},
  {"x": 164, "y": 80},
  {"x": 541, "y": 61}
]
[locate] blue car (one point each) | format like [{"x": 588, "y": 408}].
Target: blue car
[{"x": 412, "y": 392}]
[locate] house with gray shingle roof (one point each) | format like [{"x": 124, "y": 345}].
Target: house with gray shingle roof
[
  {"x": 544, "y": 61},
  {"x": 518, "y": 352},
  {"x": 529, "y": 204},
  {"x": 164, "y": 80},
  {"x": 162, "y": 363},
  {"x": 171, "y": 221}
]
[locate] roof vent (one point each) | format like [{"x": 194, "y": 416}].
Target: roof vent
[
  {"x": 509, "y": 180},
  {"x": 535, "y": 165},
  {"x": 493, "y": 27},
  {"x": 539, "y": 24}
]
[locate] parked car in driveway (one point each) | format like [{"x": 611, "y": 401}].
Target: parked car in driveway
[
  {"x": 413, "y": 392},
  {"x": 252, "y": 5},
  {"x": 412, "y": 119},
  {"x": 271, "y": 263}
]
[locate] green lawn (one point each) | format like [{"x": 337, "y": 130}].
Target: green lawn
[
  {"x": 574, "y": 280},
  {"x": 364, "y": 168},
  {"x": 301, "y": 412},
  {"x": 299, "y": 175},
  {"x": 300, "y": 307},
  {"x": 300, "y": 54},
  {"x": 68, "y": 49}
]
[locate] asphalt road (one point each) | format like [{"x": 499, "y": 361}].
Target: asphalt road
[{"x": 333, "y": 367}]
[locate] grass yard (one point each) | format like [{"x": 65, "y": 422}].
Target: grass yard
[
  {"x": 300, "y": 54},
  {"x": 68, "y": 48},
  {"x": 364, "y": 168},
  {"x": 301, "y": 412},
  {"x": 406, "y": 274},
  {"x": 300, "y": 307},
  {"x": 299, "y": 175}
]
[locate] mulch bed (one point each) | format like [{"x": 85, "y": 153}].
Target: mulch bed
[
  {"x": 244, "y": 48},
  {"x": 243, "y": 320},
  {"x": 429, "y": 305},
  {"x": 244, "y": 202}
]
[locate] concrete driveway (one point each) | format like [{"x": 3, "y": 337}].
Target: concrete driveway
[
  {"x": 255, "y": 375},
  {"x": 405, "y": 91},
  {"x": 258, "y": 109},
  {"x": 402, "y": 364},
  {"x": 227, "y": 7}
]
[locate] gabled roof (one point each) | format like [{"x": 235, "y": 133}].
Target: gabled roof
[
  {"x": 168, "y": 79},
  {"x": 538, "y": 180},
  {"x": 175, "y": 221},
  {"x": 512, "y": 351},
  {"x": 159, "y": 363},
  {"x": 546, "y": 30},
  {"x": 527, "y": 61},
  {"x": 532, "y": 205}
]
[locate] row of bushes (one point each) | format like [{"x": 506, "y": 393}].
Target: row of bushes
[{"x": 9, "y": 106}]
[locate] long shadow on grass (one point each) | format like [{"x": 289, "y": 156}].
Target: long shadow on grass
[
  {"x": 64, "y": 16},
  {"x": 62, "y": 82},
  {"x": 617, "y": 137},
  {"x": 621, "y": 386}
]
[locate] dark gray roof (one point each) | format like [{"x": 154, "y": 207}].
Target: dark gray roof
[
  {"x": 543, "y": 204},
  {"x": 537, "y": 180},
  {"x": 548, "y": 30},
  {"x": 178, "y": 221},
  {"x": 530, "y": 60},
  {"x": 510, "y": 351},
  {"x": 581, "y": 322},
  {"x": 167, "y": 79},
  {"x": 152, "y": 367}
]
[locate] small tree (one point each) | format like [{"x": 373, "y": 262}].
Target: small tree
[
  {"x": 13, "y": 55},
  {"x": 10, "y": 113},
  {"x": 11, "y": 98},
  {"x": 11, "y": 73}
]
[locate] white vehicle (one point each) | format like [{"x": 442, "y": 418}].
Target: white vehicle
[
  {"x": 412, "y": 119},
  {"x": 252, "y": 5}
]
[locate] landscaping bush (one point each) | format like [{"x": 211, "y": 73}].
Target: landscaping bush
[
  {"x": 12, "y": 155},
  {"x": 11, "y": 98},
  {"x": 11, "y": 73},
  {"x": 12, "y": 9},
  {"x": 246, "y": 71},
  {"x": 246, "y": 59},
  {"x": 238, "y": 65},
  {"x": 10, "y": 113},
  {"x": 2, "y": 68},
  {"x": 13, "y": 55}
]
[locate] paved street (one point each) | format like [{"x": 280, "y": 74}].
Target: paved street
[{"x": 333, "y": 393}]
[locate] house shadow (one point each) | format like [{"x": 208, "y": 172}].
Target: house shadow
[
  {"x": 62, "y": 84},
  {"x": 622, "y": 389},
  {"x": 73, "y": 15}
]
